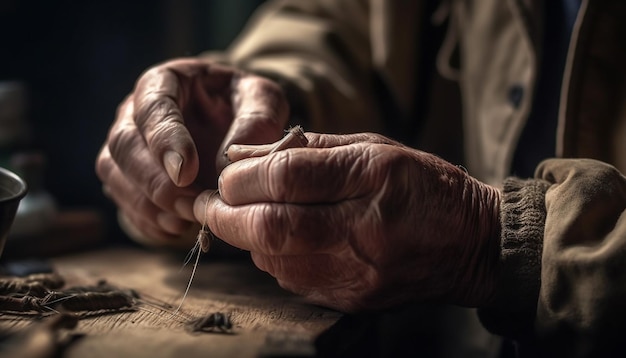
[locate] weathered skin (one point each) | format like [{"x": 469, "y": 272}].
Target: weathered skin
[
  {"x": 359, "y": 221},
  {"x": 168, "y": 140}
]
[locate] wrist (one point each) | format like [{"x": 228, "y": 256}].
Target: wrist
[
  {"x": 481, "y": 236},
  {"x": 491, "y": 230}
]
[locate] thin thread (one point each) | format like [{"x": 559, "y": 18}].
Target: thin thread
[
  {"x": 190, "y": 255},
  {"x": 193, "y": 272},
  {"x": 196, "y": 246}
]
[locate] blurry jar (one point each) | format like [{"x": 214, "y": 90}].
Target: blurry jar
[{"x": 38, "y": 209}]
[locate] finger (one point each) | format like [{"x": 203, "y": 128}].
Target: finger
[
  {"x": 152, "y": 222},
  {"x": 320, "y": 140},
  {"x": 260, "y": 113},
  {"x": 279, "y": 229},
  {"x": 126, "y": 195},
  {"x": 237, "y": 152},
  {"x": 146, "y": 229},
  {"x": 294, "y": 138},
  {"x": 309, "y": 175},
  {"x": 126, "y": 158},
  {"x": 144, "y": 232},
  {"x": 159, "y": 98}
]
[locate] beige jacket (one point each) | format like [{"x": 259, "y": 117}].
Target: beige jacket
[{"x": 350, "y": 65}]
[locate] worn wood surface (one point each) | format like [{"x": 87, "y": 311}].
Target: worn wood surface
[{"x": 267, "y": 321}]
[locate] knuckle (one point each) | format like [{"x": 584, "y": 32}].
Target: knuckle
[
  {"x": 387, "y": 158},
  {"x": 142, "y": 206},
  {"x": 273, "y": 89},
  {"x": 132, "y": 201},
  {"x": 155, "y": 70},
  {"x": 158, "y": 188},
  {"x": 278, "y": 171},
  {"x": 155, "y": 105},
  {"x": 151, "y": 72},
  {"x": 376, "y": 138},
  {"x": 265, "y": 85},
  {"x": 264, "y": 223},
  {"x": 267, "y": 91},
  {"x": 121, "y": 142},
  {"x": 144, "y": 210},
  {"x": 104, "y": 165},
  {"x": 164, "y": 131},
  {"x": 257, "y": 121},
  {"x": 124, "y": 106}
]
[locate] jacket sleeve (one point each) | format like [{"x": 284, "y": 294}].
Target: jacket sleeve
[
  {"x": 319, "y": 51},
  {"x": 562, "y": 288}
]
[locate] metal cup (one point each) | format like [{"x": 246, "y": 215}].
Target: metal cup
[{"x": 12, "y": 190}]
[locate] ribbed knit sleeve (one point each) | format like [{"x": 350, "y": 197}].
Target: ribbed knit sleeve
[{"x": 523, "y": 213}]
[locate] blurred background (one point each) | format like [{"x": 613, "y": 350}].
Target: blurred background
[{"x": 75, "y": 62}]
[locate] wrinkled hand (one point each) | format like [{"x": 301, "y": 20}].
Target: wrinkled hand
[
  {"x": 168, "y": 140},
  {"x": 359, "y": 222}
]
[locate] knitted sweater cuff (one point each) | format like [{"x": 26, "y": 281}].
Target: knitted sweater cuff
[{"x": 512, "y": 311}]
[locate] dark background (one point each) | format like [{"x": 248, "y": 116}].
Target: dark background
[{"x": 79, "y": 59}]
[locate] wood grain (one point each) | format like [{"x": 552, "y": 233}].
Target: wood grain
[{"x": 267, "y": 321}]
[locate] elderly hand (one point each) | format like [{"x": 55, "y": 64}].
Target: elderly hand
[
  {"x": 168, "y": 140},
  {"x": 359, "y": 222}
]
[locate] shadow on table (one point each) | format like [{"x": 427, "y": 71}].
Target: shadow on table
[{"x": 439, "y": 331}]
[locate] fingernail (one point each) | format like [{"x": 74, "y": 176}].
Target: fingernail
[
  {"x": 173, "y": 162},
  {"x": 236, "y": 152},
  {"x": 245, "y": 149}
]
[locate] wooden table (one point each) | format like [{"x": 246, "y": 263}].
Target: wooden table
[{"x": 267, "y": 321}]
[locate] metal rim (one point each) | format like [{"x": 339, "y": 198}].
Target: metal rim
[{"x": 23, "y": 188}]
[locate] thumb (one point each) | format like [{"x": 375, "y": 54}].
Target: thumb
[{"x": 260, "y": 111}]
